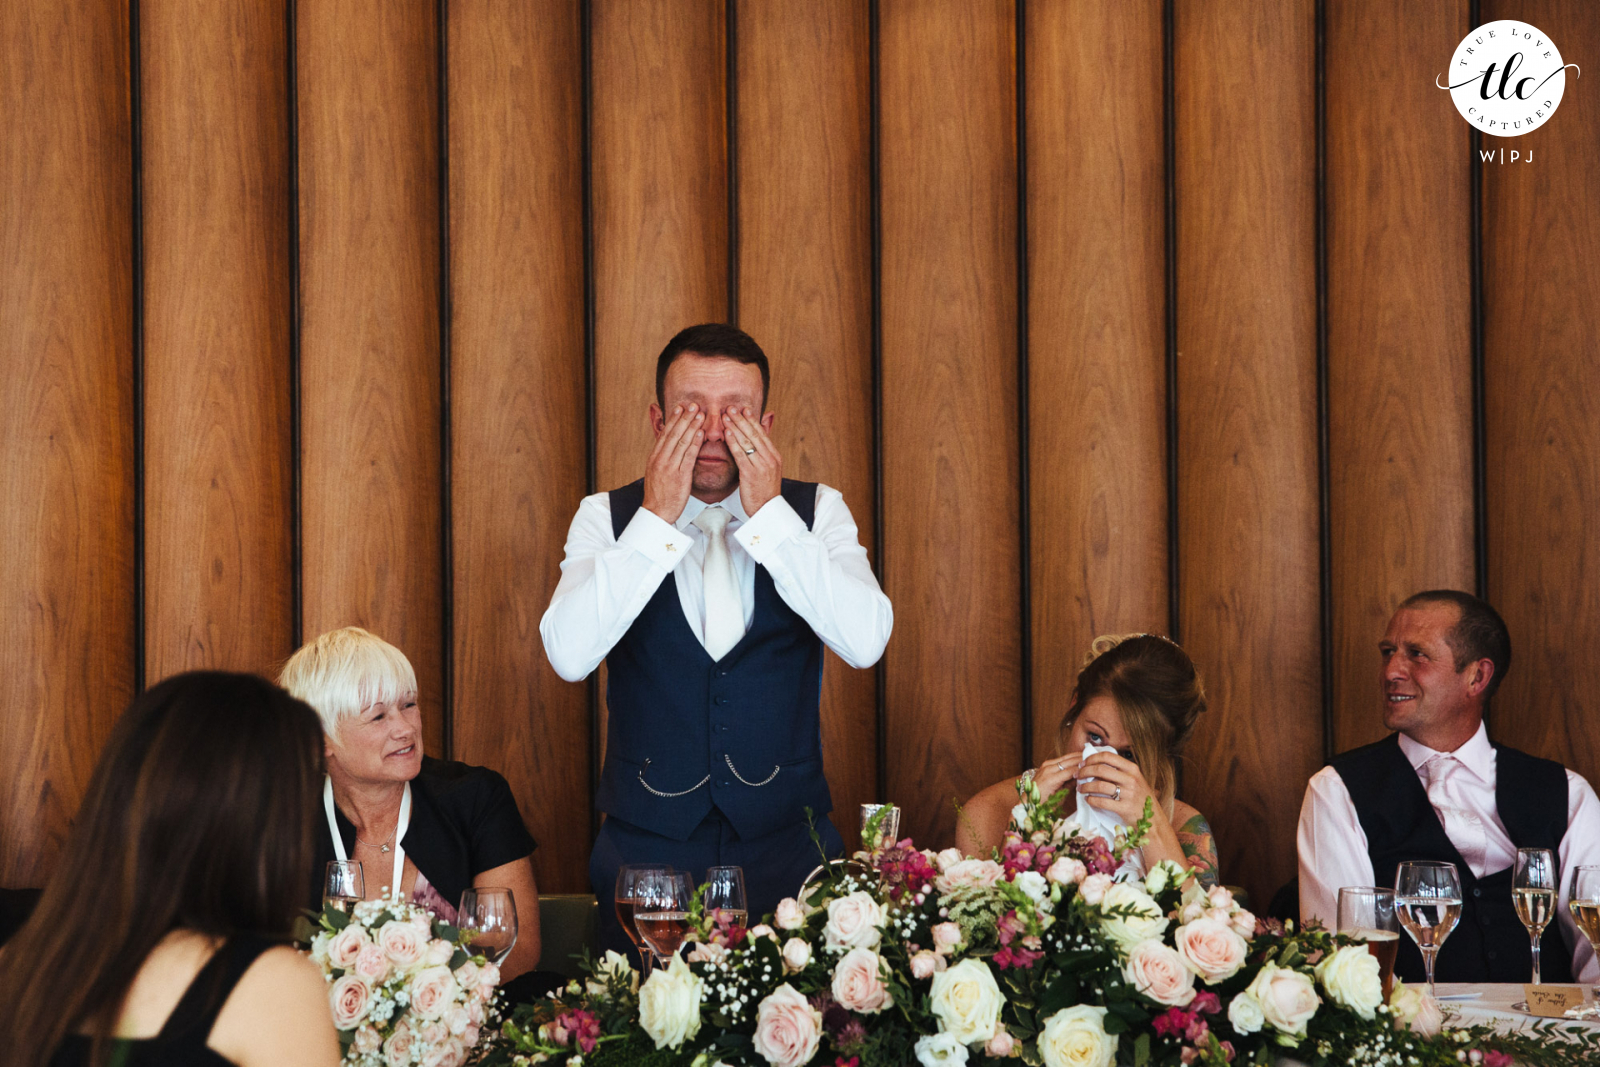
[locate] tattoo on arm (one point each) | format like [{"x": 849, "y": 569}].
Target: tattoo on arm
[{"x": 1200, "y": 849}]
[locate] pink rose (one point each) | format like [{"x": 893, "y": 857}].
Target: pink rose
[
  {"x": 1093, "y": 889},
  {"x": 925, "y": 964},
  {"x": 1220, "y": 897},
  {"x": 1244, "y": 924},
  {"x": 447, "y": 1053},
  {"x": 397, "y": 1050},
  {"x": 858, "y": 982},
  {"x": 488, "y": 978},
  {"x": 475, "y": 1012},
  {"x": 346, "y": 946},
  {"x": 1213, "y": 950},
  {"x": 1159, "y": 973},
  {"x": 402, "y": 942},
  {"x": 1288, "y": 999},
  {"x": 796, "y": 954},
  {"x": 349, "y": 998},
  {"x": 368, "y": 1040},
  {"x": 1195, "y": 909},
  {"x": 434, "y": 1033},
  {"x": 432, "y": 990},
  {"x": 470, "y": 1037},
  {"x": 439, "y": 953},
  {"x": 457, "y": 1019},
  {"x": 969, "y": 872},
  {"x": 1221, "y": 915},
  {"x": 1001, "y": 1044},
  {"x": 788, "y": 1029},
  {"x": 946, "y": 936},
  {"x": 762, "y": 930},
  {"x": 1067, "y": 871},
  {"x": 854, "y": 921},
  {"x": 707, "y": 952},
  {"x": 467, "y": 975},
  {"x": 789, "y": 915},
  {"x": 372, "y": 964}
]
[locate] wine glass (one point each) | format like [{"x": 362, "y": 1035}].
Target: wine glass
[
  {"x": 1533, "y": 891},
  {"x": 1366, "y": 913},
  {"x": 725, "y": 894},
  {"x": 343, "y": 885},
  {"x": 1584, "y": 902},
  {"x": 661, "y": 911},
  {"x": 888, "y": 828},
  {"x": 1427, "y": 897},
  {"x": 490, "y": 914},
  {"x": 627, "y": 898}
]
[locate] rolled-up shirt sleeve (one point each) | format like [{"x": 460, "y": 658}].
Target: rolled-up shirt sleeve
[
  {"x": 605, "y": 583},
  {"x": 1332, "y": 847},
  {"x": 823, "y": 574}
]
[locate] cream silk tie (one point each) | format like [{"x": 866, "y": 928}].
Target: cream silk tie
[
  {"x": 1462, "y": 826},
  {"x": 724, "y": 610}
]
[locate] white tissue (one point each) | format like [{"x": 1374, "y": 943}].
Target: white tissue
[{"x": 1098, "y": 822}]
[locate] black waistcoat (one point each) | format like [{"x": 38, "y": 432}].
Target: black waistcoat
[
  {"x": 742, "y": 734},
  {"x": 1489, "y": 944}
]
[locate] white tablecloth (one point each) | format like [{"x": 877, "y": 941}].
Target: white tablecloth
[{"x": 1492, "y": 1006}]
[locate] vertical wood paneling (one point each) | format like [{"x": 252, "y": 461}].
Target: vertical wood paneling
[
  {"x": 370, "y": 376},
  {"x": 660, "y": 201},
  {"x": 517, "y": 390},
  {"x": 1096, "y": 337},
  {"x": 1247, "y": 420},
  {"x": 1399, "y": 337},
  {"x": 1541, "y": 249},
  {"x": 805, "y": 294},
  {"x": 218, "y": 455},
  {"x": 67, "y": 655},
  {"x": 950, "y": 442}
]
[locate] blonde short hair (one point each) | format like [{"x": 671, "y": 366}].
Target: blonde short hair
[{"x": 346, "y": 671}]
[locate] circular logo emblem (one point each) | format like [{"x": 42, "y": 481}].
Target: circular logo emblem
[{"x": 1506, "y": 78}]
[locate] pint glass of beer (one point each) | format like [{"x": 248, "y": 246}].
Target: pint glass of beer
[{"x": 1366, "y": 913}]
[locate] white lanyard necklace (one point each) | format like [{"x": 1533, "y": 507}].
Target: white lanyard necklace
[{"x": 399, "y": 831}]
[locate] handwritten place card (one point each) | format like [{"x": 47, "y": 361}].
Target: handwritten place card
[{"x": 1552, "y": 1001}]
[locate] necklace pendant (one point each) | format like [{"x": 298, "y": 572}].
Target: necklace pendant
[{"x": 383, "y": 848}]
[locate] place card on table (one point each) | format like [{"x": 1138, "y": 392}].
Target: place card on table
[{"x": 1552, "y": 1001}]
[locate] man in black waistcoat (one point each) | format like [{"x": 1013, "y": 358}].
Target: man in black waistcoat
[
  {"x": 710, "y": 587},
  {"x": 1438, "y": 789}
]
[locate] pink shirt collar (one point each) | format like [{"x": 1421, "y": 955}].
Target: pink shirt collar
[{"x": 1477, "y": 755}]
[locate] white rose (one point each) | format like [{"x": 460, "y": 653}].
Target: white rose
[
  {"x": 439, "y": 952},
  {"x": 1076, "y": 1037},
  {"x": 1142, "y": 921},
  {"x": 789, "y": 915},
  {"x": 1213, "y": 950},
  {"x": 1094, "y": 887},
  {"x": 949, "y": 858},
  {"x": 969, "y": 872},
  {"x": 1160, "y": 973},
  {"x": 1352, "y": 978},
  {"x": 615, "y": 965},
  {"x": 1019, "y": 815},
  {"x": 854, "y": 921},
  {"x": 669, "y": 1004},
  {"x": 1415, "y": 1010},
  {"x": 1033, "y": 884},
  {"x": 967, "y": 1001},
  {"x": 1287, "y": 997},
  {"x": 1163, "y": 875},
  {"x": 796, "y": 954},
  {"x": 935, "y": 1050},
  {"x": 1244, "y": 1014}
]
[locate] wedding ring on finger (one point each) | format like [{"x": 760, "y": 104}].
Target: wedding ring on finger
[
  {"x": 1062, "y": 767},
  {"x": 749, "y": 451},
  {"x": 1118, "y": 794}
]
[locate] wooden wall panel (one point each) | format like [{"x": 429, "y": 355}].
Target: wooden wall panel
[
  {"x": 219, "y": 584},
  {"x": 370, "y": 374},
  {"x": 1541, "y": 242},
  {"x": 1247, "y": 420},
  {"x": 950, "y": 442},
  {"x": 1097, "y": 378},
  {"x": 660, "y": 203},
  {"x": 1399, "y": 338},
  {"x": 805, "y": 293},
  {"x": 67, "y": 652},
  {"x": 517, "y": 394}
]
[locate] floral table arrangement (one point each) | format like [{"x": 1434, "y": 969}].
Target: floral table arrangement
[
  {"x": 404, "y": 988},
  {"x": 1041, "y": 952}
]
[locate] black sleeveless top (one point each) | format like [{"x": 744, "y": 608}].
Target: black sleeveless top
[{"x": 182, "y": 1041}]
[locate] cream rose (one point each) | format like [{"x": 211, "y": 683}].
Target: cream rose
[
  {"x": 796, "y": 954},
  {"x": 432, "y": 989},
  {"x": 349, "y": 997},
  {"x": 1160, "y": 973},
  {"x": 1093, "y": 889},
  {"x": 467, "y": 975},
  {"x": 346, "y": 946},
  {"x": 1163, "y": 876},
  {"x": 1213, "y": 950},
  {"x": 1142, "y": 919},
  {"x": 1352, "y": 978},
  {"x": 371, "y": 965},
  {"x": 1415, "y": 1010},
  {"x": 858, "y": 982},
  {"x": 788, "y": 1028},
  {"x": 1287, "y": 998},
  {"x": 967, "y": 1001},
  {"x": 615, "y": 965},
  {"x": 948, "y": 858},
  {"x": 935, "y": 1050},
  {"x": 1033, "y": 884},
  {"x": 1076, "y": 1037},
  {"x": 969, "y": 872},
  {"x": 789, "y": 915},
  {"x": 1067, "y": 871},
  {"x": 1244, "y": 1014},
  {"x": 854, "y": 921},
  {"x": 439, "y": 953},
  {"x": 669, "y": 1004},
  {"x": 403, "y": 942}
]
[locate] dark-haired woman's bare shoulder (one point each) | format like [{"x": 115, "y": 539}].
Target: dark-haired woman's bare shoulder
[
  {"x": 1199, "y": 846},
  {"x": 281, "y": 984}
]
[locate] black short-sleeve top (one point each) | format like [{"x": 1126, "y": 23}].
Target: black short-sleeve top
[{"x": 464, "y": 821}]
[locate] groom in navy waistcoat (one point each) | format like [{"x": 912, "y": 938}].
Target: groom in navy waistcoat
[
  {"x": 710, "y": 587},
  {"x": 1438, "y": 789}
]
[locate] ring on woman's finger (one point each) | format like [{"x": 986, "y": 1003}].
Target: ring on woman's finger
[
  {"x": 1118, "y": 794},
  {"x": 1062, "y": 767},
  {"x": 749, "y": 451}
]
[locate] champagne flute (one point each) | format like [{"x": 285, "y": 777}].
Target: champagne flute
[
  {"x": 627, "y": 899},
  {"x": 343, "y": 885},
  {"x": 725, "y": 895},
  {"x": 1533, "y": 891},
  {"x": 1427, "y": 897},
  {"x": 490, "y": 914},
  {"x": 1584, "y": 902},
  {"x": 1366, "y": 913},
  {"x": 662, "y": 911}
]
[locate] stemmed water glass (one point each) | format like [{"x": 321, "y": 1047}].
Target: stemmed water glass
[
  {"x": 725, "y": 894},
  {"x": 343, "y": 885},
  {"x": 629, "y": 877},
  {"x": 1533, "y": 891},
  {"x": 661, "y": 910},
  {"x": 491, "y": 916},
  {"x": 1427, "y": 897}
]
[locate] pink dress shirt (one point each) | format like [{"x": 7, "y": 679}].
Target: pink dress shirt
[{"x": 1333, "y": 847}]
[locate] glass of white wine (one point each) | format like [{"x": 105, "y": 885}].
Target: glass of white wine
[
  {"x": 490, "y": 914},
  {"x": 725, "y": 894},
  {"x": 1533, "y": 891},
  {"x": 1427, "y": 897},
  {"x": 1584, "y": 900},
  {"x": 343, "y": 885}
]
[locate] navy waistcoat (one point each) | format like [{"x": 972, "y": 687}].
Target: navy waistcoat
[
  {"x": 1489, "y": 944},
  {"x": 742, "y": 734}
]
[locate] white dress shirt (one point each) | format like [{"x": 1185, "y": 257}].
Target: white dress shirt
[
  {"x": 1333, "y": 846},
  {"x": 822, "y": 573}
]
